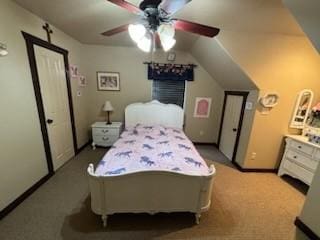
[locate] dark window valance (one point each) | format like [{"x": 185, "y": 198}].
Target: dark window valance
[{"x": 173, "y": 72}]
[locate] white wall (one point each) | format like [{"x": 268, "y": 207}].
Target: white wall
[
  {"x": 276, "y": 63},
  {"x": 220, "y": 65},
  {"x": 22, "y": 155},
  {"x": 135, "y": 87}
]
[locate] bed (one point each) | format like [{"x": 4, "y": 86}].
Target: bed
[{"x": 152, "y": 168}]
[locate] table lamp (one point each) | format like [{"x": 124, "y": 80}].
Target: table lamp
[{"x": 108, "y": 108}]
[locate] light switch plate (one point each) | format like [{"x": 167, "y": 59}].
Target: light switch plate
[{"x": 249, "y": 105}]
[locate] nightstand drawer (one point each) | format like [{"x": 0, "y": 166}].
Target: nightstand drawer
[
  {"x": 298, "y": 171},
  {"x": 302, "y": 160},
  {"x": 106, "y": 131},
  {"x": 302, "y": 147},
  {"x": 104, "y": 141}
]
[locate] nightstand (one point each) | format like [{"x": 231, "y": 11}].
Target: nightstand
[{"x": 105, "y": 135}]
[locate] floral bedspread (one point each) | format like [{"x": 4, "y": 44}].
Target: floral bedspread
[{"x": 152, "y": 148}]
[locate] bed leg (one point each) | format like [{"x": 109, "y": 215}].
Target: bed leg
[
  {"x": 198, "y": 216},
  {"x": 104, "y": 220}
]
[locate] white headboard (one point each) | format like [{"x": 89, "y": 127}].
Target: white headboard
[{"x": 154, "y": 112}]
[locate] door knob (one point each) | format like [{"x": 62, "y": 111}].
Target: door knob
[
  {"x": 49, "y": 121},
  {"x": 234, "y": 129}
]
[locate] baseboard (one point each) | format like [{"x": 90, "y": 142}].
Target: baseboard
[
  {"x": 305, "y": 229},
  {"x": 83, "y": 147},
  {"x": 206, "y": 143},
  {"x": 31, "y": 190},
  {"x": 257, "y": 170},
  {"x": 23, "y": 196}
]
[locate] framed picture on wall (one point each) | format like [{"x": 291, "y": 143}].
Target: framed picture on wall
[
  {"x": 82, "y": 81},
  {"x": 74, "y": 70},
  {"x": 108, "y": 81},
  {"x": 202, "y": 107}
]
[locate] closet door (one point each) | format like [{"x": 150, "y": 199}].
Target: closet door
[
  {"x": 230, "y": 125},
  {"x": 54, "y": 94}
]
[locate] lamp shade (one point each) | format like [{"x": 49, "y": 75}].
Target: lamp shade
[
  {"x": 107, "y": 107},
  {"x": 166, "y": 30},
  {"x": 145, "y": 44},
  {"x": 136, "y": 31},
  {"x": 167, "y": 42}
]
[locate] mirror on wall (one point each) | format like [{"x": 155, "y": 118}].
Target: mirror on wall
[{"x": 302, "y": 109}]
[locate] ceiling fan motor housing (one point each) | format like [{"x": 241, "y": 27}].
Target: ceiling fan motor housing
[{"x": 149, "y": 4}]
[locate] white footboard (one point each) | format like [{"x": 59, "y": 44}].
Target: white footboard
[{"x": 150, "y": 192}]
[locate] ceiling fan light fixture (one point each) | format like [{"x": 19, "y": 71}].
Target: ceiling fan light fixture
[
  {"x": 137, "y": 32},
  {"x": 166, "y": 30},
  {"x": 145, "y": 44},
  {"x": 167, "y": 43}
]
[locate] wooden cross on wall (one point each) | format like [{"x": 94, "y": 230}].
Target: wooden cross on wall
[{"x": 49, "y": 31}]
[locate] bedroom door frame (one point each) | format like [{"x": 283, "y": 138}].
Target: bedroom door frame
[
  {"x": 244, "y": 94},
  {"x": 31, "y": 41}
]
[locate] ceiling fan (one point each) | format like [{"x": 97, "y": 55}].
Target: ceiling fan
[{"x": 157, "y": 25}]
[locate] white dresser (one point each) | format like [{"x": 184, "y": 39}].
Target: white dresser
[
  {"x": 105, "y": 135},
  {"x": 300, "y": 159}
]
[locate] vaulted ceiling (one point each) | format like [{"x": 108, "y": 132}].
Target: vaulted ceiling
[
  {"x": 307, "y": 15},
  {"x": 86, "y": 19}
]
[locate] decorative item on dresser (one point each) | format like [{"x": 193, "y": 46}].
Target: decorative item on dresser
[
  {"x": 302, "y": 109},
  {"x": 107, "y": 107},
  {"x": 105, "y": 135},
  {"x": 301, "y": 158}
]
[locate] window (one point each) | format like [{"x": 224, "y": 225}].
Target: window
[{"x": 169, "y": 91}]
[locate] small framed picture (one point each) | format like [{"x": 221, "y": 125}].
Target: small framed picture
[
  {"x": 108, "y": 81},
  {"x": 171, "y": 57},
  {"x": 202, "y": 107},
  {"x": 74, "y": 70},
  {"x": 82, "y": 81}
]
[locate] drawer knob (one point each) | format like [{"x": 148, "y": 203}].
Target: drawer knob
[
  {"x": 105, "y": 131},
  {"x": 104, "y": 138},
  {"x": 299, "y": 147},
  {"x": 294, "y": 157}
]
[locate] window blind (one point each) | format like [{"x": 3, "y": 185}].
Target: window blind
[{"x": 169, "y": 92}]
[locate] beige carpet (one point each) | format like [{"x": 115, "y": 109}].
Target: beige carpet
[{"x": 244, "y": 206}]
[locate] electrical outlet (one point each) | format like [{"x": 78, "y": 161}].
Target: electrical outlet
[
  {"x": 253, "y": 155},
  {"x": 201, "y": 133}
]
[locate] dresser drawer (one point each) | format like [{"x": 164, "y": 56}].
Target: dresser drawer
[
  {"x": 106, "y": 131},
  {"x": 298, "y": 172},
  {"x": 301, "y": 147},
  {"x": 104, "y": 141},
  {"x": 302, "y": 160}
]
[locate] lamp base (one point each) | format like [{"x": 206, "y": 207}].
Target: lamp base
[{"x": 108, "y": 122}]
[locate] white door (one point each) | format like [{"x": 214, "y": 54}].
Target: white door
[
  {"x": 230, "y": 125},
  {"x": 53, "y": 86}
]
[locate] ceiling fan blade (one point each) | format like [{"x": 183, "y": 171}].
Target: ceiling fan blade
[
  {"x": 196, "y": 28},
  {"x": 130, "y": 7},
  {"x": 115, "y": 30},
  {"x": 172, "y": 6}
]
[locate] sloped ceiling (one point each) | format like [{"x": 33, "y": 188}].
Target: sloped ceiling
[
  {"x": 307, "y": 13},
  {"x": 215, "y": 59},
  {"x": 84, "y": 20}
]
